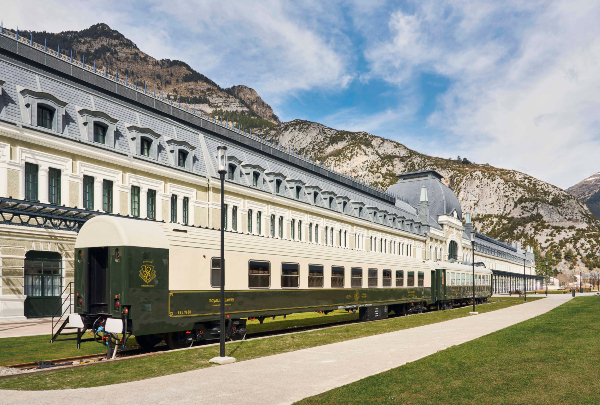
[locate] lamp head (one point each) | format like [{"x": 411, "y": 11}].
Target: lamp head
[
  {"x": 472, "y": 236},
  {"x": 222, "y": 158}
]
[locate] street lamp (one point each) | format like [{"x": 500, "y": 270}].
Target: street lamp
[
  {"x": 524, "y": 278},
  {"x": 222, "y": 161},
  {"x": 473, "y": 280},
  {"x": 546, "y": 278},
  {"x": 580, "y": 290}
]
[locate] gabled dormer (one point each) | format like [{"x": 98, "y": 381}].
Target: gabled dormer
[
  {"x": 329, "y": 200},
  {"x": 382, "y": 217},
  {"x": 358, "y": 208},
  {"x": 97, "y": 126},
  {"x": 41, "y": 109},
  {"x": 144, "y": 141},
  {"x": 296, "y": 190},
  {"x": 234, "y": 169},
  {"x": 313, "y": 193},
  {"x": 372, "y": 213},
  {"x": 182, "y": 153},
  {"x": 276, "y": 182},
  {"x": 392, "y": 220},
  {"x": 254, "y": 175},
  {"x": 343, "y": 203}
]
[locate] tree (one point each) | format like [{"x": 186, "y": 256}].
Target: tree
[{"x": 569, "y": 256}]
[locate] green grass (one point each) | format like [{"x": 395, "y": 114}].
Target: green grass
[
  {"x": 550, "y": 359},
  {"x": 186, "y": 360},
  {"x": 29, "y": 349}
]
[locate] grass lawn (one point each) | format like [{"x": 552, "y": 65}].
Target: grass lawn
[
  {"x": 550, "y": 359},
  {"x": 185, "y": 360}
]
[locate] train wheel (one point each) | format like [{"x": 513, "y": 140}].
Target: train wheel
[
  {"x": 147, "y": 342},
  {"x": 175, "y": 340}
]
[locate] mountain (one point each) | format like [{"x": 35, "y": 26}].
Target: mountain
[
  {"x": 588, "y": 191},
  {"x": 111, "y": 49},
  {"x": 505, "y": 204}
]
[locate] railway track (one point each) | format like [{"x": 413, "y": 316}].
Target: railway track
[{"x": 100, "y": 358}]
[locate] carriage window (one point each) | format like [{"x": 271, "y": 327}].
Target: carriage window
[
  {"x": 387, "y": 278},
  {"x": 411, "y": 279},
  {"x": 399, "y": 278},
  {"x": 259, "y": 274},
  {"x": 372, "y": 280},
  {"x": 290, "y": 275},
  {"x": 315, "y": 275},
  {"x": 462, "y": 279},
  {"x": 356, "y": 277},
  {"x": 421, "y": 279},
  {"x": 337, "y": 277},
  {"x": 452, "y": 278},
  {"x": 215, "y": 272}
]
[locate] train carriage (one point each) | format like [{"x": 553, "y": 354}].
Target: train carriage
[{"x": 161, "y": 280}]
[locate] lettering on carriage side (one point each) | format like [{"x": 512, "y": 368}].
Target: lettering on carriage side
[
  {"x": 147, "y": 272},
  {"x": 217, "y": 301},
  {"x": 186, "y": 312}
]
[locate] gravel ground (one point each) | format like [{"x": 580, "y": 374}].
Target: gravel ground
[{"x": 8, "y": 370}]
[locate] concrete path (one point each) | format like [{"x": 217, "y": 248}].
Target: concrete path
[
  {"x": 289, "y": 377},
  {"x": 29, "y": 327}
]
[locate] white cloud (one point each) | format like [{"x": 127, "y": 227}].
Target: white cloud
[{"x": 525, "y": 81}]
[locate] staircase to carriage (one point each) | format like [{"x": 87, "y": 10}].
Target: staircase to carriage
[{"x": 61, "y": 330}]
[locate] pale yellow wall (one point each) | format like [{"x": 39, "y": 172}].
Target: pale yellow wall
[
  {"x": 73, "y": 193},
  {"x": 201, "y": 216},
  {"x": 166, "y": 213},
  {"x": 216, "y": 218},
  {"x": 12, "y": 186},
  {"x": 124, "y": 206}
]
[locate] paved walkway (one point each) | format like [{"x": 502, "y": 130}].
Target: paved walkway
[
  {"x": 29, "y": 327},
  {"x": 289, "y": 377}
]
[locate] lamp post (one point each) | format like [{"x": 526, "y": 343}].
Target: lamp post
[
  {"x": 524, "y": 278},
  {"x": 473, "y": 280},
  {"x": 222, "y": 160},
  {"x": 546, "y": 278},
  {"x": 580, "y": 290}
]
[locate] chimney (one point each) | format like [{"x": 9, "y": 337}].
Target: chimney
[
  {"x": 423, "y": 209},
  {"x": 468, "y": 224}
]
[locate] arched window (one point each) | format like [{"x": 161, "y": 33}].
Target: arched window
[
  {"x": 145, "y": 146},
  {"x": 452, "y": 250},
  {"x": 100, "y": 133},
  {"x": 182, "y": 158},
  {"x": 255, "y": 177},
  {"x": 45, "y": 117}
]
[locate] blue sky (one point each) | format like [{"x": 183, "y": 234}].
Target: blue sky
[{"x": 511, "y": 83}]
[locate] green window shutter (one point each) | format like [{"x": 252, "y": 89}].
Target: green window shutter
[
  {"x": 31, "y": 182},
  {"x": 107, "y": 195},
  {"x": 174, "y": 208},
  {"x": 135, "y": 201},
  {"x": 88, "y": 193},
  {"x": 54, "y": 186},
  {"x": 186, "y": 210},
  {"x": 151, "y": 204}
]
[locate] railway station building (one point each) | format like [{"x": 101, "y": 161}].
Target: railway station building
[{"x": 76, "y": 143}]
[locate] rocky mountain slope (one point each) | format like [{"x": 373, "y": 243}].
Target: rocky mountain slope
[
  {"x": 109, "y": 48},
  {"x": 506, "y": 204},
  {"x": 588, "y": 191}
]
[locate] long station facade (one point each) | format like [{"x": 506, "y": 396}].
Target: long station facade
[{"x": 80, "y": 142}]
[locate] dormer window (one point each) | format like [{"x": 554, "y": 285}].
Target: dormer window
[
  {"x": 100, "y": 133},
  {"x": 330, "y": 202},
  {"x": 231, "y": 172},
  {"x": 298, "y": 190},
  {"x": 278, "y": 186},
  {"x": 315, "y": 197},
  {"x": 45, "y": 117},
  {"x": 360, "y": 211},
  {"x": 255, "y": 177},
  {"x": 145, "y": 144},
  {"x": 182, "y": 158},
  {"x": 344, "y": 204},
  {"x": 40, "y": 109}
]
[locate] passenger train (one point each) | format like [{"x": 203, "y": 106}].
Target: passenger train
[{"x": 159, "y": 280}]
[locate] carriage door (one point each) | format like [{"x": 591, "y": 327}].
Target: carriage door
[
  {"x": 434, "y": 286},
  {"x": 42, "y": 284},
  {"x": 441, "y": 284},
  {"x": 97, "y": 280}
]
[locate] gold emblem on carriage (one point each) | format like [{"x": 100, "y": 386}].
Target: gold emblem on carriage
[
  {"x": 356, "y": 295},
  {"x": 147, "y": 273}
]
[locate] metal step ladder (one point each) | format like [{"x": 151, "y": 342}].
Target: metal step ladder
[{"x": 60, "y": 329}]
